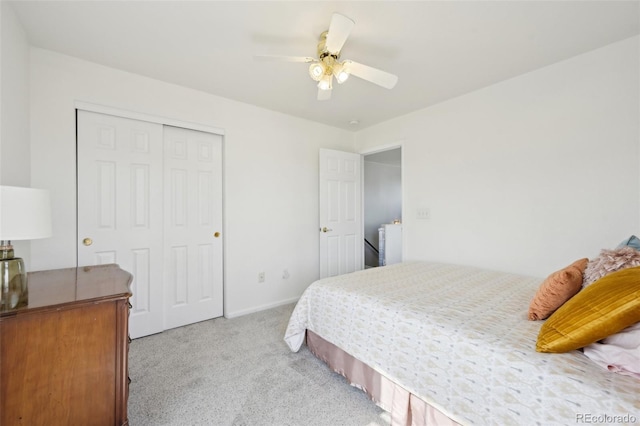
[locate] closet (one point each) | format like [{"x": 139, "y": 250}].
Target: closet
[{"x": 150, "y": 200}]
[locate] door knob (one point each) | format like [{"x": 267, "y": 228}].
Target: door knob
[
  {"x": 87, "y": 241},
  {"x": 217, "y": 234},
  {"x": 325, "y": 229}
]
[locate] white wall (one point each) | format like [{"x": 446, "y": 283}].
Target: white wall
[
  {"x": 525, "y": 176},
  {"x": 529, "y": 174},
  {"x": 270, "y": 177},
  {"x": 382, "y": 201},
  {"x": 14, "y": 134},
  {"x": 14, "y": 109}
]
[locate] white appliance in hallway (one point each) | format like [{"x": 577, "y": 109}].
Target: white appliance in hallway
[{"x": 390, "y": 244}]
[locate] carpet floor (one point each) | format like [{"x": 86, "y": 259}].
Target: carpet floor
[{"x": 239, "y": 372}]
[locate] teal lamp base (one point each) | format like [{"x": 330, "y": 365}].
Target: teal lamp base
[{"x": 13, "y": 280}]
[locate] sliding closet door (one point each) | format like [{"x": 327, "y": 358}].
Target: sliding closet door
[
  {"x": 120, "y": 207},
  {"x": 150, "y": 200},
  {"x": 192, "y": 226}
]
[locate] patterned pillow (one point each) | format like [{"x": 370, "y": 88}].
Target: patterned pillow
[
  {"x": 610, "y": 261},
  {"x": 604, "y": 308},
  {"x": 559, "y": 287}
]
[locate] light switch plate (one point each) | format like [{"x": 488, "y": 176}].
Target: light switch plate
[{"x": 423, "y": 213}]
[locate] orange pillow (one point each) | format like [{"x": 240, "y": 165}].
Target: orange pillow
[{"x": 559, "y": 287}]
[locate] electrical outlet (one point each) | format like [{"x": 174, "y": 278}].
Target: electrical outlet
[{"x": 260, "y": 277}]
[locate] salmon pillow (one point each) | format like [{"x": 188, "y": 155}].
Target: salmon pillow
[{"x": 559, "y": 287}]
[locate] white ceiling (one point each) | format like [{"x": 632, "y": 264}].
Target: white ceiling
[{"x": 439, "y": 49}]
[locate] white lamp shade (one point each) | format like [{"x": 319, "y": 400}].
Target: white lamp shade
[
  {"x": 25, "y": 213},
  {"x": 341, "y": 72},
  {"x": 325, "y": 82},
  {"x": 316, "y": 71}
]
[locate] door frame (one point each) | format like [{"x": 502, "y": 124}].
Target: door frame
[
  {"x": 124, "y": 113},
  {"x": 375, "y": 150},
  {"x": 119, "y": 112}
]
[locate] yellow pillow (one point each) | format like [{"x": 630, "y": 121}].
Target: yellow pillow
[{"x": 600, "y": 310}]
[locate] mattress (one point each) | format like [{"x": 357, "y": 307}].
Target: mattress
[{"x": 458, "y": 338}]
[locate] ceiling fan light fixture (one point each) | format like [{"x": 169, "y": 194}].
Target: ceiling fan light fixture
[
  {"x": 327, "y": 65},
  {"x": 326, "y": 82},
  {"x": 316, "y": 71},
  {"x": 342, "y": 76},
  {"x": 341, "y": 72}
]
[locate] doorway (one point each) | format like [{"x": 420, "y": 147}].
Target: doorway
[{"x": 382, "y": 201}]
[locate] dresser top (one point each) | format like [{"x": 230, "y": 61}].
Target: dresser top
[{"x": 57, "y": 288}]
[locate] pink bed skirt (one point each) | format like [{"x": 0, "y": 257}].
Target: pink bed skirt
[{"x": 405, "y": 408}]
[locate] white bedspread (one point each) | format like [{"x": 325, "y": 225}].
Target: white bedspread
[{"x": 459, "y": 338}]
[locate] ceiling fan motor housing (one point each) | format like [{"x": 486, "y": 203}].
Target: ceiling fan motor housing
[{"x": 328, "y": 59}]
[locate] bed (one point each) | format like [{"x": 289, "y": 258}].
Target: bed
[{"x": 445, "y": 344}]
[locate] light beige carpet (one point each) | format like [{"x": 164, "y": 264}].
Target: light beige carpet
[{"x": 236, "y": 372}]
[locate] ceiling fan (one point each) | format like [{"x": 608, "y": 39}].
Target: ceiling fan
[{"x": 328, "y": 65}]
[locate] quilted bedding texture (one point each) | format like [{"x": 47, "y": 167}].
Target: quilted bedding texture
[{"x": 458, "y": 337}]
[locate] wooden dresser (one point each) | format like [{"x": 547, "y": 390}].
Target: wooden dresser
[{"x": 63, "y": 358}]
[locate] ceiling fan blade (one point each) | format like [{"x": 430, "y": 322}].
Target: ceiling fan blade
[
  {"x": 374, "y": 75},
  {"x": 272, "y": 58},
  {"x": 339, "y": 29},
  {"x": 324, "y": 95}
]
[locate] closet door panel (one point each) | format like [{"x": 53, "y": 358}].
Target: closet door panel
[
  {"x": 192, "y": 232},
  {"x": 120, "y": 207}
]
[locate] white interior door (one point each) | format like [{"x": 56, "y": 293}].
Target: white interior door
[
  {"x": 120, "y": 207},
  {"x": 340, "y": 217},
  {"x": 193, "y": 226}
]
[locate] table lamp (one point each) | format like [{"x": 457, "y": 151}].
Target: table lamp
[{"x": 25, "y": 214}]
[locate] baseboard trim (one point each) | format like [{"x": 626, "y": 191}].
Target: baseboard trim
[{"x": 242, "y": 312}]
